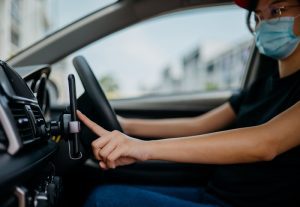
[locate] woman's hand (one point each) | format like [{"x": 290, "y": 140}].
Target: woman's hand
[{"x": 114, "y": 148}]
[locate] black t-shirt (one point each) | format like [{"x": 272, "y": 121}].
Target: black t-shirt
[{"x": 273, "y": 183}]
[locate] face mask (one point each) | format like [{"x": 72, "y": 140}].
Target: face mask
[{"x": 275, "y": 38}]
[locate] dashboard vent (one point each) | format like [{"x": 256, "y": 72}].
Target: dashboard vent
[
  {"x": 37, "y": 113},
  {"x": 3, "y": 139},
  {"x": 22, "y": 121}
]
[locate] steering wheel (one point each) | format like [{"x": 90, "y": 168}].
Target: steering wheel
[{"x": 94, "y": 102}]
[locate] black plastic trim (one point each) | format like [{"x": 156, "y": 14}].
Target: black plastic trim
[{"x": 17, "y": 169}]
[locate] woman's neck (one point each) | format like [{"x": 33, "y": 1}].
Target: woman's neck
[{"x": 290, "y": 64}]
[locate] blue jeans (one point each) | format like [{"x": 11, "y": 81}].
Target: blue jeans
[{"x": 150, "y": 196}]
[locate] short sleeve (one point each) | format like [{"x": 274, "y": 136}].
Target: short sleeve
[{"x": 236, "y": 101}]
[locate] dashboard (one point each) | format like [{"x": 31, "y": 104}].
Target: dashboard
[
  {"x": 36, "y": 78},
  {"x": 25, "y": 145},
  {"x": 22, "y": 119}
]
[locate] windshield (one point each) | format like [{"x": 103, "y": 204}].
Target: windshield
[
  {"x": 188, "y": 51},
  {"x": 25, "y": 22}
]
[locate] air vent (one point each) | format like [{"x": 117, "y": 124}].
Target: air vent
[
  {"x": 37, "y": 113},
  {"x": 22, "y": 121},
  {"x": 3, "y": 139}
]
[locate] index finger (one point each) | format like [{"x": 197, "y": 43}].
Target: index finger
[{"x": 100, "y": 131}]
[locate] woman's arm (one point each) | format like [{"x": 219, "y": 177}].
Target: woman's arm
[
  {"x": 212, "y": 121},
  {"x": 259, "y": 143}
]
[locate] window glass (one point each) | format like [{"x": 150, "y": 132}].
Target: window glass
[
  {"x": 24, "y": 22},
  {"x": 198, "y": 50}
]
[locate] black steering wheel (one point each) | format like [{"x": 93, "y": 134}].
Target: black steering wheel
[{"x": 94, "y": 102}]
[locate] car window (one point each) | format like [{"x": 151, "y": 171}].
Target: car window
[
  {"x": 198, "y": 50},
  {"x": 25, "y": 22}
]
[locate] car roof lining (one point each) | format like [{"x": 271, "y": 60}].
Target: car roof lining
[{"x": 95, "y": 26}]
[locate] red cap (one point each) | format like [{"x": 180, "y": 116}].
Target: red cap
[{"x": 243, "y": 3}]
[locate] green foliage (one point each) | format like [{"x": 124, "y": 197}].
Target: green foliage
[
  {"x": 211, "y": 86},
  {"x": 109, "y": 85}
]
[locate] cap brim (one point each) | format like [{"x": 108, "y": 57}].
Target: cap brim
[{"x": 243, "y": 3}]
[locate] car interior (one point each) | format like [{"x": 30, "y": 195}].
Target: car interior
[{"x": 45, "y": 156}]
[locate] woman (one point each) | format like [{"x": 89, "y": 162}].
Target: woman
[{"x": 259, "y": 159}]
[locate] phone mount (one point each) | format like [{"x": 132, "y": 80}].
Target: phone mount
[{"x": 68, "y": 127}]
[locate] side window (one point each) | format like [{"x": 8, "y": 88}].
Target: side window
[{"x": 199, "y": 50}]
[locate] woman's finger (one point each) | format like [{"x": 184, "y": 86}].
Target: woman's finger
[
  {"x": 100, "y": 131},
  {"x": 98, "y": 144},
  {"x": 107, "y": 149},
  {"x": 116, "y": 154},
  {"x": 106, "y": 140},
  {"x": 103, "y": 165}
]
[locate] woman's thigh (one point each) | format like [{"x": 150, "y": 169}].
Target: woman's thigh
[
  {"x": 148, "y": 196},
  {"x": 193, "y": 194}
]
